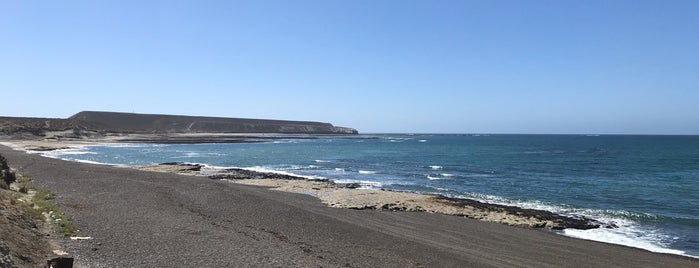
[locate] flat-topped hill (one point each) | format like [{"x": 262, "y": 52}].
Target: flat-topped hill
[
  {"x": 113, "y": 122},
  {"x": 131, "y": 122}
]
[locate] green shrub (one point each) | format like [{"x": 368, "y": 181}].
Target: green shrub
[
  {"x": 43, "y": 201},
  {"x": 7, "y": 175},
  {"x": 3, "y": 163}
]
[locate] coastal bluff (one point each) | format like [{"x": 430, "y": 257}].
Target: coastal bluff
[{"x": 90, "y": 122}]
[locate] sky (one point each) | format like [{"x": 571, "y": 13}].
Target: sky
[{"x": 557, "y": 67}]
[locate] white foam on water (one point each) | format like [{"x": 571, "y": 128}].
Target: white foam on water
[
  {"x": 364, "y": 184},
  {"x": 628, "y": 236},
  {"x": 285, "y": 141},
  {"x": 300, "y": 167},
  {"x": 270, "y": 170},
  {"x": 479, "y": 175},
  {"x": 192, "y": 154},
  {"x": 436, "y": 167},
  {"x": 367, "y": 172},
  {"x": 90, "y": 162},
  {"x": 321, "y": 161},
  {"x": 77, "y": 153},
  {"x": 437, "y": 188},
  {"x": 434, "y": 178},
  {"x": 628, "y": 232},
  {"x": 397, "y": 138},
  {"x": 132, "y": 145},
  {"x": 61, "y": 153},
  {"x": 339, "y": 169},
  {"x": 189, "y": 154},
  {"x": 216, "y": 167},
  {"x": 447, "y": 175},
  {"x": 58, "y": 153},
  {"x": 422, "y": 141}
]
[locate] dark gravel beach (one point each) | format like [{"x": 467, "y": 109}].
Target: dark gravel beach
[{"x": 151, "y": 219}]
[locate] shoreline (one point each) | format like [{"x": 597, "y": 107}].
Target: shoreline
[
  {"x": 338, "y": 195},
  {"x": 57, "y": 140},
  {"x": 333, "y": 194},
  {"x": 103, "y": 200},
  {"x": 357, "y": 197}
]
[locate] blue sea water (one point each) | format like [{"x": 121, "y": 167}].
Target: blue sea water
[{"x": 646, "y": 185}]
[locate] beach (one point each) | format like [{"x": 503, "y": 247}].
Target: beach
[{"x": 138, "y": 218}]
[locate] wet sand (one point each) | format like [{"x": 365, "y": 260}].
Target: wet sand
[{"x": 142, "y": 218}]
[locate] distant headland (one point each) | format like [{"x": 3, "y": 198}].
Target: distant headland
[{"x": 91, "y": 123}]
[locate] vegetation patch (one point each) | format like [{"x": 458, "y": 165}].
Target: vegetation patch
[
  {"x": 22, "y": 241},
  {"x": 24, "y": 212},
  {"x": 43, "y": 202},
  {"x": 7, "y": 176}
]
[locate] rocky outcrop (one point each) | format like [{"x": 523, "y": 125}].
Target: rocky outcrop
[
  {"x": 244, "y": 174},
  {"x": 553, "y": 220},
  {"x": 39, "y": 126},
  {"x": 339, "y": 195}
]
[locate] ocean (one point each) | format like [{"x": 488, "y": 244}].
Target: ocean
[{"x": 648, "y": 186}]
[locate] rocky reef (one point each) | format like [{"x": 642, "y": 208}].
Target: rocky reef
[{"x": 355, "y": 196}]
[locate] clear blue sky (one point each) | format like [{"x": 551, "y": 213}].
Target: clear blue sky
[{"x": 379, "y": 66}]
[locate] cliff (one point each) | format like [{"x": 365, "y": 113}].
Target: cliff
[{"x": 112, "y": 122}]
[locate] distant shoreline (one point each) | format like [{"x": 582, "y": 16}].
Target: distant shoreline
[{"x": 56, "y": 140}]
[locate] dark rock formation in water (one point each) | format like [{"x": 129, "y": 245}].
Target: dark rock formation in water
[
  {"x": 243, "y": 174},
  {"x": 560, "y": 221}
]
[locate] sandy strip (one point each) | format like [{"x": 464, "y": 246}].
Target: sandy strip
[{"x": 155, "y": 219}]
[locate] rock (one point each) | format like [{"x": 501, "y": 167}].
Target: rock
[
  {"x": 558, "y": 221},
  {"x": 5, "y": 260},
  {"x": 352, "y": 185},
  {"x": 183, "y": 166},
  {"x": 60, "y": 262},
  {"x": 243, "y": 174}
]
